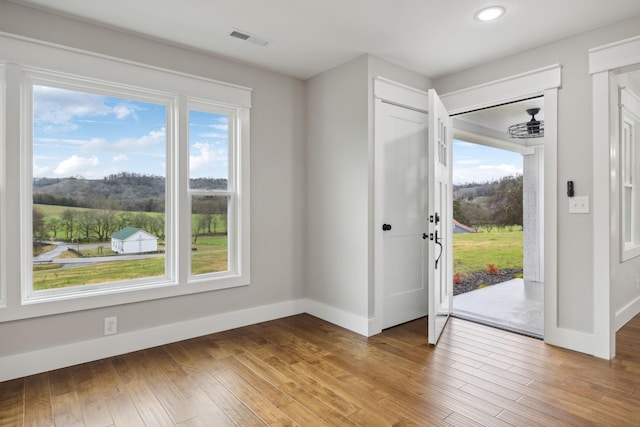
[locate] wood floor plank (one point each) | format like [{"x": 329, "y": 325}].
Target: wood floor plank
[
  {"x": 37, "y": 400},
  {"x": 304, "y": 371},
  {"x": 172, "y": 400},
  {"x": 96, "y": 413},
  {"x": 12, "y": 403},
  {"x": 123, "y": 411},
  {"x": 106, "y": 378},
  {"x": 230, "y": 404},
  {"x": 66, "y": 410},
  {"x": 149, "y": 407},
  {"x": 319, "y": 408},
  {"x": 208, "y": 412},
  {"x": 319, "y": 390},
  {"x": 259, "y": 383},
  {"x": 265, "y": 409}
]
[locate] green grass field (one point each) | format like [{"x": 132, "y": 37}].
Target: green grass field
[
  {"x": 210, "y": 256},
  {"x": 474, "y": 251}
]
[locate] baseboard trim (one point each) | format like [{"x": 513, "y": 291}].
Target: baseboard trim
[
  {"x": 627, "y": 313},
  {"x": 34, "y": 362},
  {"x": 344, "y": 319},
  {"x": 570, "y": 339}
]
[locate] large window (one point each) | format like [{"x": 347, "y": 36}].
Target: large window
[
  {"x": 105, "y": 189},
  {"x": 99, "y": 188},
  {"x": 124, "y": 182}
]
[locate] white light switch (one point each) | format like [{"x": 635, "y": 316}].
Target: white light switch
[{"x": 579, "y": 205}]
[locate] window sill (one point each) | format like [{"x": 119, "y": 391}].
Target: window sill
[{"x": 41, "y": 305}]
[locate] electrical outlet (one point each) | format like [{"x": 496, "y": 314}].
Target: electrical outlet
[{"x": 110, "y": 325}]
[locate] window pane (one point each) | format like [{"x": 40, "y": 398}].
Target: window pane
[
  {"x": 209, "y": 221},
  {"x": 98, "y": 188},
  {"x": 628, "y": 210},
  {"x": 208, "y": 150}
]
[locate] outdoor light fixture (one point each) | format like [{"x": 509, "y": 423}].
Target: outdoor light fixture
[
  {"x": 531, "y": 129},
  {"x": 490, "y": 13}
]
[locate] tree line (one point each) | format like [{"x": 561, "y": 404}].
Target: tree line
[
  {"x": 500, "y": 203},
  {"x": 97, "y": 225},
  {"x": 92, "y": 225}
]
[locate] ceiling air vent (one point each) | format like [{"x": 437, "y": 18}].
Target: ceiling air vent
[
  {"x": 239, "y": 35},
  {"x": 243, "y": 35}
]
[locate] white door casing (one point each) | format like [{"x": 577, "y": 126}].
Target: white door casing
[{"x": 544, "y": 81}]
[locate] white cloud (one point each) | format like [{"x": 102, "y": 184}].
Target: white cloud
[
  {"x": 42, "y": 171},
  {"x": 120, "y": 158},
  {"x": 213, "y": 135},
  {"x": 55, "y": 109},
  {"x": 76, "y": 165},
  {"x": 153, "y": 139},
  {"x": 123, "y": 111},
  {"x": 484, "y": 173},
  {"x": 468, "y": 162},
  {"x": 207, "y": 156},
  {"x": 220, "y": 126}
]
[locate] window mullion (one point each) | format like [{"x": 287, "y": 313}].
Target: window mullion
[{"x": 184, "y": 198}]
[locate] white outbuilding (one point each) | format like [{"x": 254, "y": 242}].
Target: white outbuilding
[{"x": 132, "y": 240}]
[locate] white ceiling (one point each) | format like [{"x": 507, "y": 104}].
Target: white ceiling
[{"x": 308, "y": 37}]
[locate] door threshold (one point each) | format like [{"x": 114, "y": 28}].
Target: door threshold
[{"x": 495, "y": 323}]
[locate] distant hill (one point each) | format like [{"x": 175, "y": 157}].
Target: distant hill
[
  {"x": 123, "y": 191},
  {"x": 473, "y": 190},
  {"x": 490, "y": 203}
]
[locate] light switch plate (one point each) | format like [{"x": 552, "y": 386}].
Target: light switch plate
[{"x": 579, "y": 205}]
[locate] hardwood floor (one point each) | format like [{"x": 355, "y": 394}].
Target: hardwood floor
[{"x": 304, "y": 371}]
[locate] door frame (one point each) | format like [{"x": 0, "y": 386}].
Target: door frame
[
  {"x": 603, "y": 61},
  {"x": 544, "y": 81}
]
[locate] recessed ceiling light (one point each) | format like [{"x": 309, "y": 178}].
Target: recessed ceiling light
[{"x": 490, "y": 13}]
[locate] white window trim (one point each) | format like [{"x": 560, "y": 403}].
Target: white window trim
[
  {"x": 627, "y": 114},
  {"x": 232, "y": 191},
  {"x": 3, "y": 275},
  {"x": 602, "y": 61},
  {"x": 33, "y": 78},
  {"x": 37, "y": 57}
]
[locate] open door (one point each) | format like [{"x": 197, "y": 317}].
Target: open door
[{"x": 439, "y": 257}]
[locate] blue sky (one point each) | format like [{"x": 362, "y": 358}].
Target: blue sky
[
  {"x": 90, "y": 135},
  {"x": 478, "y": 163}
]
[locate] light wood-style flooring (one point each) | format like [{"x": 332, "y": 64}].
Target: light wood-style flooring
[{"x": 304, "y": 371}]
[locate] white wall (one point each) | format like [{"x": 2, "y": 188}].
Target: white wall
[
  {"x": 575, "y": 237},
  {"x": 340, "y": 187},
  {"x": 278, "y": 185},
  {"x": 337, "y": 188}
]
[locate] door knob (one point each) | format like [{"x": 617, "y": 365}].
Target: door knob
[{"x": 386, "y": 227}]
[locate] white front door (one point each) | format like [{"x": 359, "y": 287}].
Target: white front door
[
  {"x": 402, "y": 212},
  {"x": 439, "y": 255}
]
